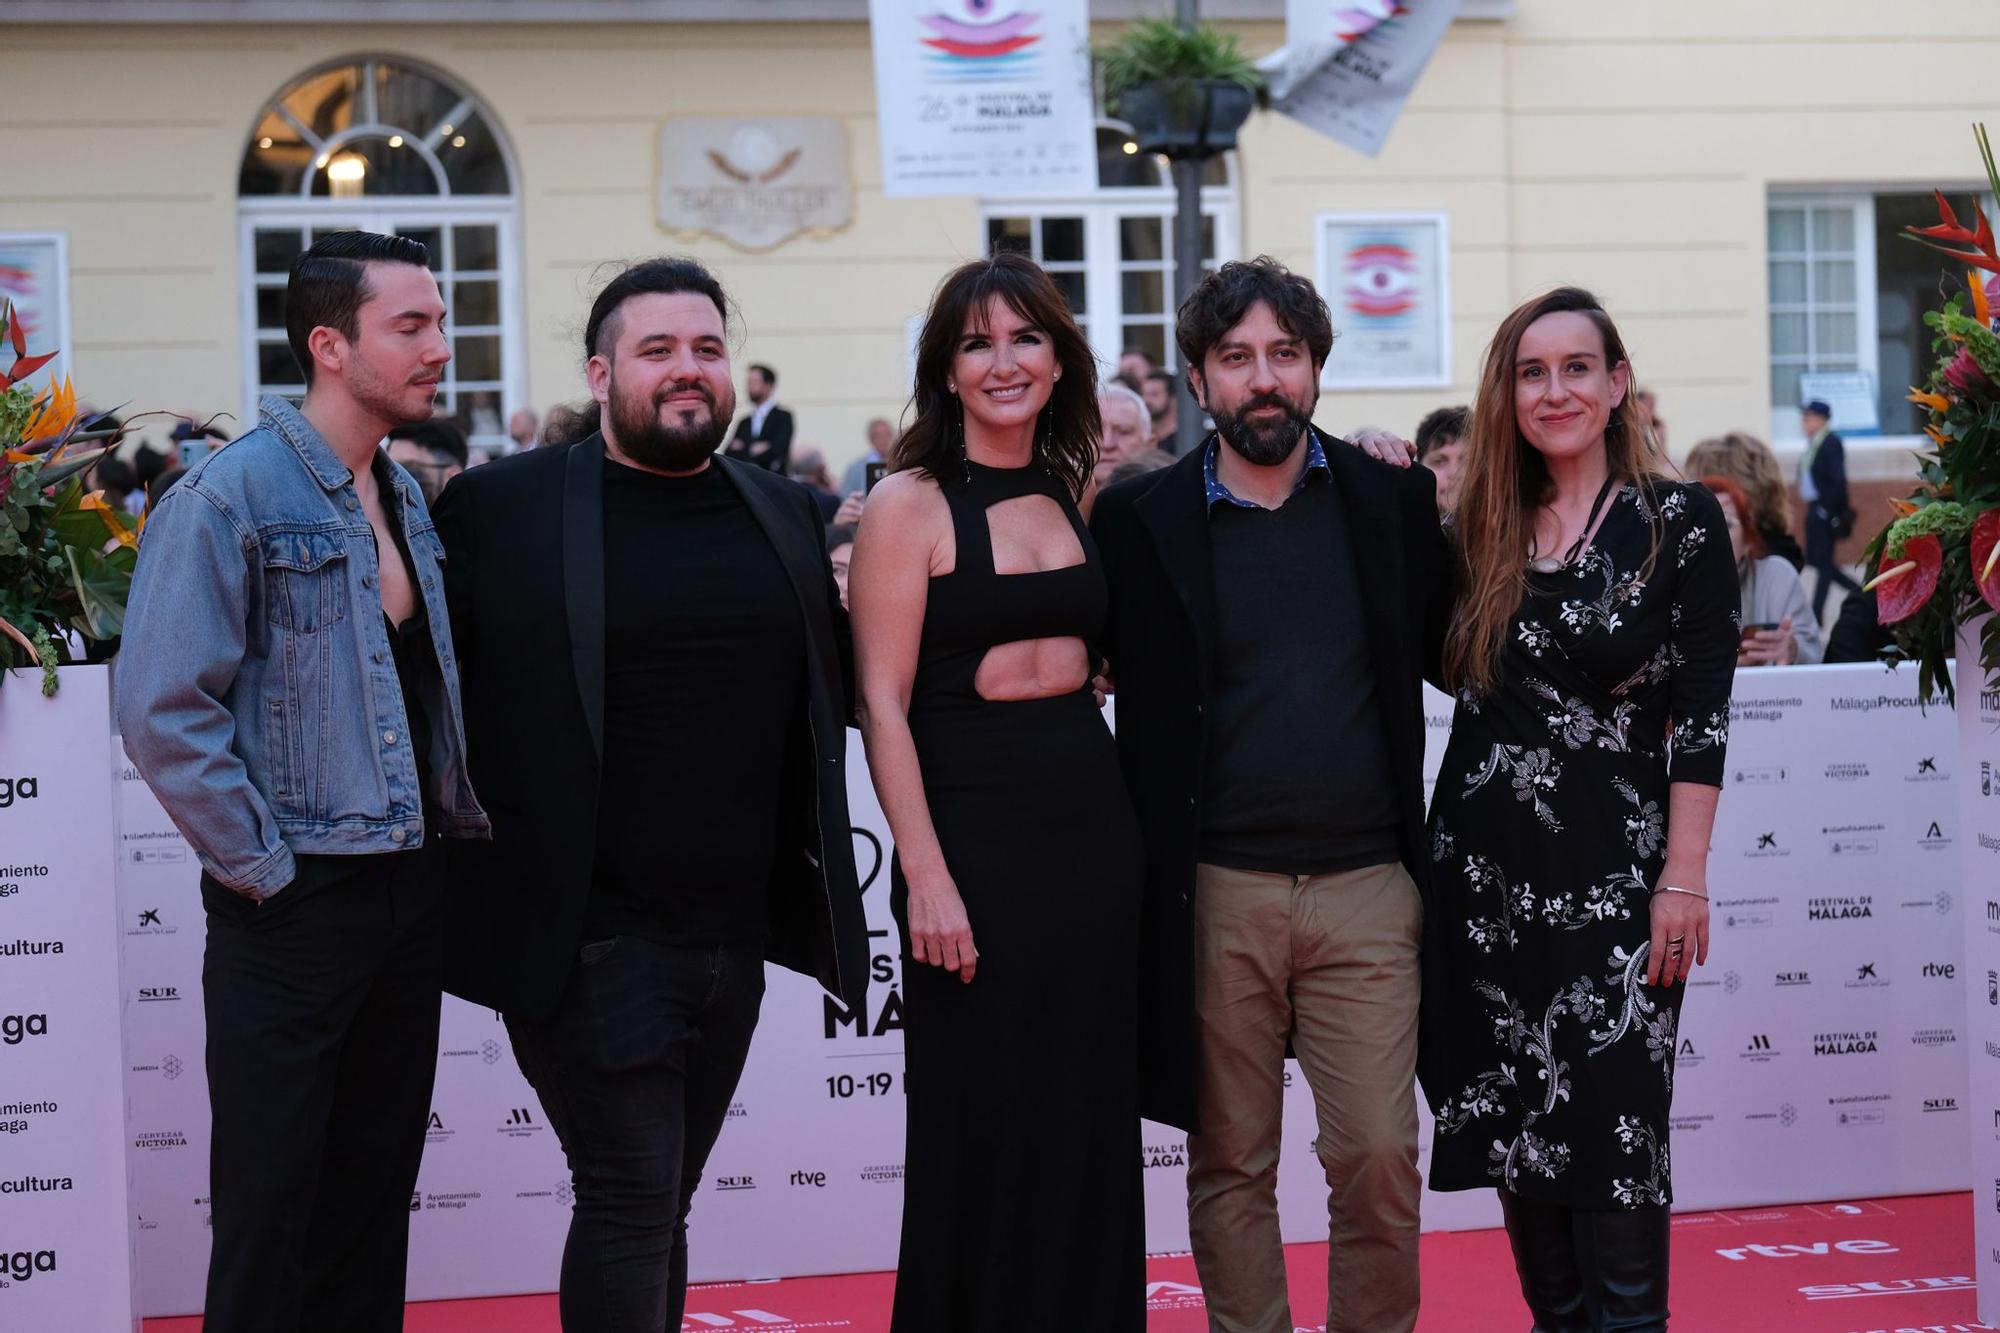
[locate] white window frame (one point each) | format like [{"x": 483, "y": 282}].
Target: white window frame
[
  {"x": 1860, "y": 196},
  {"x": 1101, "y": 211},
  {"x": 1861, "y": 206},
  {"x": 384, "y": 214}
]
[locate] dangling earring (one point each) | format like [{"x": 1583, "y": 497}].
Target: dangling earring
[{"x": 958, "y": 423}]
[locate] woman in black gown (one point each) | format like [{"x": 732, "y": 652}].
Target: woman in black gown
[
  {"x": 976, "y": 594},
  {"x": 1592, "y": 656}
]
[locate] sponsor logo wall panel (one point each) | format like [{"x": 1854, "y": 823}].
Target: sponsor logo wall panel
[{"x": 1822, "y": 1053}]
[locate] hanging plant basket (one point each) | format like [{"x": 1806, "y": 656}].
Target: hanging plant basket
[{"x": 1186, "y": 118}]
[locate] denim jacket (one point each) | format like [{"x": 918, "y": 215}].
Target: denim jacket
[{"x": 256, "y": 690}]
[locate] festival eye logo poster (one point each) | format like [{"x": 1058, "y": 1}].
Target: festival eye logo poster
[
  {"x": 1387, "y": 279},
  {"x": 34, "y": 279},
  {"x": 984, "y": 97}
]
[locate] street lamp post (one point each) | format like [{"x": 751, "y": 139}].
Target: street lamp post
[{"x": 1187, "y": 256}]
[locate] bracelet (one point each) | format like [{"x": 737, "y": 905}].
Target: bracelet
[{"x": 1674, "y": 888}]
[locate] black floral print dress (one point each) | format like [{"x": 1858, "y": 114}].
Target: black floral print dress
[{"x": 1551, "y": 1066}]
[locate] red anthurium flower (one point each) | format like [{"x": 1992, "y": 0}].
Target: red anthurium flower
[
  {"x": 1986, "y": 556},
  {"x": 1904, "y": 587}
]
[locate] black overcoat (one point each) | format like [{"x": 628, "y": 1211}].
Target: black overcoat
[
  {"x": 1161, "y": 638},
  {"x": 524, "y": 577}
]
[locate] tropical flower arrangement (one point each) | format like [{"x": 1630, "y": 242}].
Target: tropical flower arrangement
[
  {"x": 1936, "y": 566},
  {"x": 66, "y": 555}
]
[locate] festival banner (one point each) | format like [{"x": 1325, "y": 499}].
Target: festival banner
[
  {"x": 65, "y": 1239},
  {"x": 1979, "y": 854},
  {"x": 1387, "y": 278},
  {"x": 984, "y": 97},
  {"x": 1348, "y": 66}
]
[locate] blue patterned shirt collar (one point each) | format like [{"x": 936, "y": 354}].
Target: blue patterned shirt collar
[{"x": 1217, "y": 493}]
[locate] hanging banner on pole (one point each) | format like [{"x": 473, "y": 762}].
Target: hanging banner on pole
[
  {"x": 984, "y": 97},
  {"x": 1348, "y": 66}
]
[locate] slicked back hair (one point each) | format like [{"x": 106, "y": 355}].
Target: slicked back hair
[{"x": 329, "y": 285}]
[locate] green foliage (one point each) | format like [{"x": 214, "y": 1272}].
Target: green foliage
[
  {"x": 1944, "y": 518},
  {"x": 1157, "y": 51},
  {"x": 1981, "y": 342},
  {"x": 66, "y": 561},
  {"x": 16, "y": 404}
]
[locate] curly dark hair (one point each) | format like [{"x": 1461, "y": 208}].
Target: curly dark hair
[
  {"x": 1220, "y": 300},
  {"x": 934, "y": 441}
]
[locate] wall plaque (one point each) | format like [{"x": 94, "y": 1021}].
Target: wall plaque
[{"x": 755, "y": 183}]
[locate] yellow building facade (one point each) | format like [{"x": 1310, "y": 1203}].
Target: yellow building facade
[{"x": 1728, "y": 177}]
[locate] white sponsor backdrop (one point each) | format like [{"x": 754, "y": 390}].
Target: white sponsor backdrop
[
  {"x": 65, "y": 1254},
  {"x": 1979, "y": 854},
  {"x": 1820, "y": 1054}
]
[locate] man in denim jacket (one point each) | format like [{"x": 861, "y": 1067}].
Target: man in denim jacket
[{"x": 287, "y": 688}]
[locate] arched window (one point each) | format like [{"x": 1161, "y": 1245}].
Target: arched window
[
  {"x": 1112, "y": 251},
  {"x": 381, "y": 144}
]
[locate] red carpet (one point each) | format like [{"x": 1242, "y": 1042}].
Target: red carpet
[{"x": 1874, "y": 1266}]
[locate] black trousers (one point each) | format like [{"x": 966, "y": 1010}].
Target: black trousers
[
  {"x": 635, "y": 1069},
  {"x": 322, "y": 1009},
  {"x": 1820, "y": 558}
]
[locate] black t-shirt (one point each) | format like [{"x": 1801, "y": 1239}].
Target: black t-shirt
[
  {"x": 1298, "y": 779},
  {"x": 704, "y": 672}
]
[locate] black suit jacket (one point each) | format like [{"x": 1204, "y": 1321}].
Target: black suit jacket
[
  {"x": 1829, "y": 478},
  {"x": 1153, "y": 535},
  {"x": 524, "y": 576},
  {"x": 777, "y": 433}
]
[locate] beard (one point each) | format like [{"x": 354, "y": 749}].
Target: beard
[
  {"x": 639, "y": 433},
  {"x": 400, "y": 402},
  {"x": 1265, "y": 444}
]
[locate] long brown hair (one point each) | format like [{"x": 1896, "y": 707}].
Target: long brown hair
[
  {"x": 1067, "y": 435},
  {"x": 1506, "y": 481}
]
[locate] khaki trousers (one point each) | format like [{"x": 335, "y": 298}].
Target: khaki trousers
[{"x": 1330, "y": 961}]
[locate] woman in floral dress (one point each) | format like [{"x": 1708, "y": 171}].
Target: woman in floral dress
[{"x": 1592, "y": 658}]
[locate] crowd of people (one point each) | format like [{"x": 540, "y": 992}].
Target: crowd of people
[{"x": 335, "y": 677}]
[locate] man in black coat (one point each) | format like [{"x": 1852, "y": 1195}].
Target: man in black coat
[
  {"x": 654, "y": 663},
  {"x": 764, "y": 436},
  {"x": 1276, "y": 600},
  {"x": 1829, "y": 513}
]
